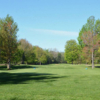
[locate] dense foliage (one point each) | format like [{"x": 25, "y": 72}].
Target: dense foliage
[
  {"x": 88, "y": 49},
  {"x": 8, "y": 39},
  {"x": 71, "y": 51}
]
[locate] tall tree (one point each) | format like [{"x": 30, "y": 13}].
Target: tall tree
[
  {"x": 91, "y": 44},
  {"x": 87, "y": 35},
  {"x": 71, "y": 49},
  {"x": 8, "y": 39}
]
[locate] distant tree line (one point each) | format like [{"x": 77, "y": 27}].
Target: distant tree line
[
  {"x": 36, "y": 55},
  {"x": 14, "y": 51}
]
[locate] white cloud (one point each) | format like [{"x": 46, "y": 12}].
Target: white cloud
[{"x": 56, "y": 32}]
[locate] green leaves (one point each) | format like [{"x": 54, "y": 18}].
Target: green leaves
[
  {"x": 8, "y": 37},
  {"x": 71, "y": 51},
  {"x": 27, "y": 48},
  {"x": 40, "y": 55},
  {"x": 92, "y": 25}
]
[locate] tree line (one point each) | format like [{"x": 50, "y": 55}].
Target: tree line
[
  {"x": 14, "y": 51},
  {"x": 87, "y": 50}
]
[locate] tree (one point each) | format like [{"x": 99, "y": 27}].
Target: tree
[
  {"x": 48, "y": 56},
  {"x": 91, "y": 44},
  {"x": 8, "y": 39},
  {"x": 40, "y": 55},
  {"x": 59, "y": 57},
  {"x": 27, "y": 49},
  {"x": 87, "y": 35},
  {"x": 30, "y": 57},
  {"x": 71, "y": 49}
]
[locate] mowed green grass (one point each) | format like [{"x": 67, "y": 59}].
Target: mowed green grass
[{"x": 50, "y": 82}]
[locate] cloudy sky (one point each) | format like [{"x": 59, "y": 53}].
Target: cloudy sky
[{"x": 49, "y": 23}]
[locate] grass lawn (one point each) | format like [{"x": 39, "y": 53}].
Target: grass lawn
[{"x": 50, "y": 82}]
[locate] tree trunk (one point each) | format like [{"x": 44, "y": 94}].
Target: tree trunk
[
  {"x": 8, "y": 64},
  {"x": 40, "y": 63},
  {"x": 92, "y": 60}
]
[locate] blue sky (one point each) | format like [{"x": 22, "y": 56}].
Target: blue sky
[{"x": 49, "y": 23}]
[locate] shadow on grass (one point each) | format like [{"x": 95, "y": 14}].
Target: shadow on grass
[
  {"x": 15, "y": 98},
  {"x": 97, "y": 66},
  {"x": 17, "y": 67},
  {"x": 24, "y": 78}
]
